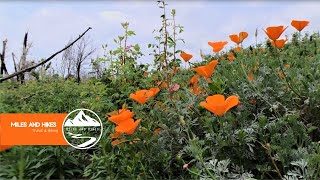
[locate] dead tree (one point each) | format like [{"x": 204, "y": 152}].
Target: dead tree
[
  {"x": 23, "y": 60},
  {"x": 28, "y": 69},
  {"x": 68, "y": 62},
  {"x": 15, "y": 65},
  {"x": 83, "y": 51},
  {"x": 3, "y": 69}
]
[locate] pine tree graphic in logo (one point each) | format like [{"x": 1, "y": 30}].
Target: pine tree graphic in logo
[{"x": 82, "y": 128}]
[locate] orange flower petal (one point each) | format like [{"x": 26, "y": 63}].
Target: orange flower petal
[
  {"x": 279, "y": 43},
  {"x": 242, "y": 36},
  {"x": 115, "y": 135},
  {"x": 207, "y": 106},
  {"x": 232, "y": 101},
  {"x": 231, "y": 57},
  {"x": 128, "y": 126},
  {"x": 139, "y": 99},
  {"x": 274, "y": 32},
  {"x": 124, "y": 115},
  {"x": 217, "y": 46},
  {"x": 299, "y": 25},
  {"x": 207, "y": 70},
  {"x": 185, "y": 56},
  {"x": 210, "y": 67},
  {"x": 250, "y": 76},
  {"x": 235, "y": 38},
  {"x": 154, "y": 91},
  {"x": 280, "y": 74},
  {"x": 215, "y": 99},
  {"x": 133, "y": 127},
  {"x": 157, "y": 131},
  {"x": 194, "y": 79},
  {"x": 116, "y": 142},
  {"x": 112, "y": 113},
  {"x": 218, "y": 105},
  {"x": 237, "y": 49}
]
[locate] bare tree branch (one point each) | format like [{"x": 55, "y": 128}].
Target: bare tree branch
[
  {"x": 2, "y": 57},
  {"x": 82, "y": 53},
  {"x": 44, "y": 61},
  {"x": 14, "y": 63},
  {"x": 23, "y": 59}
]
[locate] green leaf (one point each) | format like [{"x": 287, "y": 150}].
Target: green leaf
[
  {"x": 173, "y": 12},
  {"x": 130, "y": 33},
  {"x": 120, "y": 38},
  {"x": 136, "y": 47}
]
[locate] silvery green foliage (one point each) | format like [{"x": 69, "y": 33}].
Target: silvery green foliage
[
  {"x": 300, "y": 171},
  {"x": 224, "y": 170}
]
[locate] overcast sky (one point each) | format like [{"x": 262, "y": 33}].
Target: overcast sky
[{"x": 51, "y": 24}]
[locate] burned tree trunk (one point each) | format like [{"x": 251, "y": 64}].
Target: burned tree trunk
[
  {"x": 3, "y": 69},
  {"x": 15, "y": 65},
  {"x": 82, "y": 53},
  {"x": 23, "y": 58}
]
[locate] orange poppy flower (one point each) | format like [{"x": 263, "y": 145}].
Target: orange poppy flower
[
  {"x": 280, "y": 74},
  {"x": 278, "y": 43},
  {"x": 194, "y": 79},
  {"x": 231, "y": 57},
  {"x": 237, "y": 49},
  {"x": 115, "y": 135},
  {"x": 217, "y": 46},
  {"x": 157, "y": 131},
  {"x": 207, "y": 70},
  {"x": 195, "y": 89},
  {"x": 162, "y": 84},
  {"x": 218, "y": 105},
  {"x": 142, "y": 96},
  {"x": 287, "y": 65},
  {"x": 274, "y": 32},
  {"x": 185, "y": 56},
  {"x": 123, "y": 115},
  {"x": 250, "y": 76},
  {"x": 299, "y": 25},
  {"x": 128, "y": 126},
  {"x": 238, "y": 38}
]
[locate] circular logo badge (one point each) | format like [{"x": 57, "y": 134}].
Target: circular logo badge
[{"x": 82, "y": 128}]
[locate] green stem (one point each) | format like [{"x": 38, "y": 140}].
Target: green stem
[
  {"x": 256, "y": 90},
  {"x": 286, "y": 78},
  {"x": 21, "y": 163}
]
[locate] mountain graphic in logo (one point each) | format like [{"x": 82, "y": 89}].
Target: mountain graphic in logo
[{"x": 81, "y": 119}]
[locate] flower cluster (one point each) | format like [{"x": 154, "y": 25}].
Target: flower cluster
[
  {"x": 217, "y": 104},
  {"x": 125, "y": 123}
]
